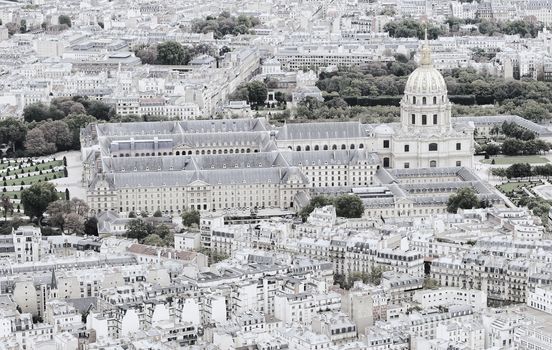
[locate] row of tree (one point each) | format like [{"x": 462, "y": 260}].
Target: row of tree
[
  {"x": 527, "y": 98},
  {"x": 49, "y": 129},
  {"x": 514, "y": 131},
  {"x": 523, "y": 170},
  {"x": 521, "y": 27},
  {"x": 515, "y": 147},
  {"x": 62, "y": 107},
  {"x": 225, "y": 24},
  {"x": 346, "y": 206},
  {"x": 410, "y": 28},
  {"x": 174, "y": 53}
]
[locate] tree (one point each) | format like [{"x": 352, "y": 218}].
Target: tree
[
  {"x": 36, "y": 112},
  {"x": 99, "y": 110},
  {"x": 500, "y": 172},
  {"x": 13, "y": 28},
  {"x": 7, "y": 206},
  {"x": 162, "y": 231},
  {"x": 491, "y": 149},
  {"x": 74, "y": 223},
  {"x": 13, "y": 132},
  {"x": 171, "y": 53},
  {"x": 36, "y": 143},
  {"x": 91, "y": 226},
  {"x": 154, "y": 240},
  {"x": 349, "y": 206},
  {"x": 257, "y": 92},
  {"x": 147, "y": 54},
  {"x": 157, "y": 214},
  {"x": 64, "y": 19},
  {"x": 35, "y": 199},
  {"x": 138, "y": 229},
  {"x": 315, "y": 202},
  {"x": 512, "y": 147},
  {"x": 58, "y": 133},
  {"x": 430, "y": 283},
  {"x": 75, "y": 122},
  {"x": 518, "y": 170},
  {"x": 57, "y": 211},
  {"x": 190, "y": 217},
  {"x": 465, "y": 198}
]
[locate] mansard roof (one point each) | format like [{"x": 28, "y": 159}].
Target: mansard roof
[
  {"x": 335, "y": 157},
  {"x": 324, "y": 130}
]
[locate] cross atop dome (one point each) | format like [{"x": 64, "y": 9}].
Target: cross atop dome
[{"x": 425, "y": 59}]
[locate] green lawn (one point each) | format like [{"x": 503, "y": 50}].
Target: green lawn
[
  {"x": 31, "y": 168},
  {"x": 502, "y": 160},
  {"x": 29, "y": 180},
  {"x": 513, "y": 186}
]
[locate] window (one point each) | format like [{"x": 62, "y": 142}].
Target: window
[
  {"x": 424, "y": 119},
  {"x": 434, "y": 100},
  {"x": 458, "y": 146},
  {"x": 433, "y": 147},
  {"x": 414, "y": 100},
  {"x": 424, "y": 100},
  {"x": 406, "y": 165},
  {"x": 407, "y": 148},
  {"x": 385, "y": 143},
  {"x": 434, "y": 119},
  {"x": 386, "y": 162},
  {"x": 413, "y": 118},
  {"x": 458, "y": 163},
  {"x": 433, "y": 164}
]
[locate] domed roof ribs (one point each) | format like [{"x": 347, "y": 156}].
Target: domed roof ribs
[{"x": 425, "y": 59}]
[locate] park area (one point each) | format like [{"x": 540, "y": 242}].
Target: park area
[
  {"x": 508, "y": 160},
  {"x": 516, "y": 190},
  {"x": 18, "y": 174}
]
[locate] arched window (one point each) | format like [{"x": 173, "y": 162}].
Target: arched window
[
  {"x": 361, "y": 146},
  {"x": 352, "y": 146},
  {"x": 334, "y": 147},
  {"x": 434, "y": 100},
  {"x": 433, "y": 164},
  {"x": 325, "y": 147},
  {"x": 177, "y": 153},
  {"x": 307, "y": 148},
  {"x": 298, "y": 148},
  {"x": 424, "y": 100},
  {"x": 433, "y": 147},
  {"x": 343, "y": 147},
  {"x": 316, "y": 148}
]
